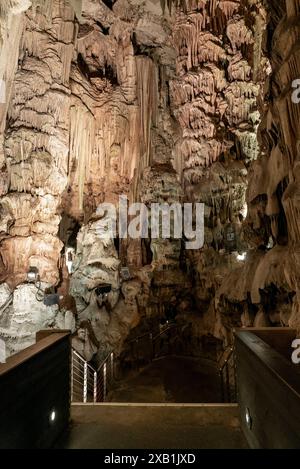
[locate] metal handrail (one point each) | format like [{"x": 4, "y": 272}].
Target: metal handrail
[
  {"x": 225, "y": 363},
  {"x": 150, "y": 333},
  {"x": 167, "y": 329},
  {"x": 87, "y": 383},
  {"x": 83, "y": 360},
  {"x": 225, "y": 357},
  {"x": 227, "y": 375},
  {"x": 104, "y": 361},
  {"x": 153, "y": 340}
]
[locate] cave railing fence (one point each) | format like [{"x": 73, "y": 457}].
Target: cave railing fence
[
  {"x": 227, "y": 373},
  {"x": 89, "y": 384},
  {"x": 148, "y": 347}
]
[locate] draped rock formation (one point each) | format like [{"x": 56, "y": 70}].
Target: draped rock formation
[
  {"x": 265, "y": 291},
  {"x": 162, "y": 102}
]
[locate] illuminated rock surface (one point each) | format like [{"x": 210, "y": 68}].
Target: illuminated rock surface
[{"x": 185, "y": 104}]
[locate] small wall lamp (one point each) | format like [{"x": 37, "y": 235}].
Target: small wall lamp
[
  {"x": 70, "y": 254},
  {"x": 103, "y": 289},
  {"x": 102, "y": 292},
  {"x": 125, "y": 273},
  {"x": 33, "y": 275}
]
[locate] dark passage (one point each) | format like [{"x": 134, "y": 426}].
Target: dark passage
[{"x": 172, "y": 379}]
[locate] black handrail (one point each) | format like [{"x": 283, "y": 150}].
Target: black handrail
[{"x": 225, "y": 364}]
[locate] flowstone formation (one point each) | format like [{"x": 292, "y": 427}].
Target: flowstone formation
[
  {"x": 86, "y": 92},
  {"x": 34, "y": 154},
  {"x": 265, "y": 291},
  {"x": 220, "y": 70},
  {"x": 160, "y": 102}
]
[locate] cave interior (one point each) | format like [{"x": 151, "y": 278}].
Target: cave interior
[{"x": 177, "y": 102}]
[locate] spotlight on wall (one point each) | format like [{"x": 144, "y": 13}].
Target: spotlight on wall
[
  {"x": 52, "y": 416},
  {"x": 125, "y": 273},
  {"x": 248, "y": 418},
  {"x": 270, "y": 244},
  {"x": 103, "y": 290},
  {"x": 241, "y": 256},
  {"x": 70, "y": 254},
  {"x": 33, "y": 275}
]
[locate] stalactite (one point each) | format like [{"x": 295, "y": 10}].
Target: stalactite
[
  {"x": 147, "y": 91},
  {"x": 82, "y": 138}
]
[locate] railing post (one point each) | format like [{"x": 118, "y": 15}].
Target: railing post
[
  {"x": 112, "y": 366},
  {"x": 104, "y": 382},
  {"x": 95, "y": 386},
  {"x": 85, "y": 370}
]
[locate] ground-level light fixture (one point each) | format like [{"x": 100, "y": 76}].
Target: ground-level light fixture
[
  {"x": 52, "y": 416},
  {"x": 248, "y": 418}
]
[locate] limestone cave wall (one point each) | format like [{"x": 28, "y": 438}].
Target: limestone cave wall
[
  {"x": 265, "y": 290},
  {"x": 167, "y": 102},
  {"x": 220, "y": 72}
]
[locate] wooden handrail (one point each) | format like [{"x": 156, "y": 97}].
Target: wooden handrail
[{"x": 31, "y": 351}]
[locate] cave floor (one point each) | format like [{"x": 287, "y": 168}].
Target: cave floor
[
  {"x": 154, "y": 426},
  {"x": 171, "y": 379}
]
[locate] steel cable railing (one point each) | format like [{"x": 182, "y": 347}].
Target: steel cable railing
[
  {"x": 92, "y": 385},
  {"x": 227, "y": 373},
  {"x": 165, "y": 343},
  {"x": 87, "y": 383},
  {"x": 150, "y": 346}
]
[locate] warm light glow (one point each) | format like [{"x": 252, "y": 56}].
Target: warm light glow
[
  {"x": 70, "y": 254},
  {"x": 244, "y": 211},
  {"x": 52, "y": 417},
  {"x": 241, "y": 257},
  {"x": 32, "y": 274},
  {"x": 248, "y": 418}
]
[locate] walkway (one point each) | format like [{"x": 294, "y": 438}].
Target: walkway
[
  {"x": 154, "y": 426},
  {"x": 172, "y": 379}
]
